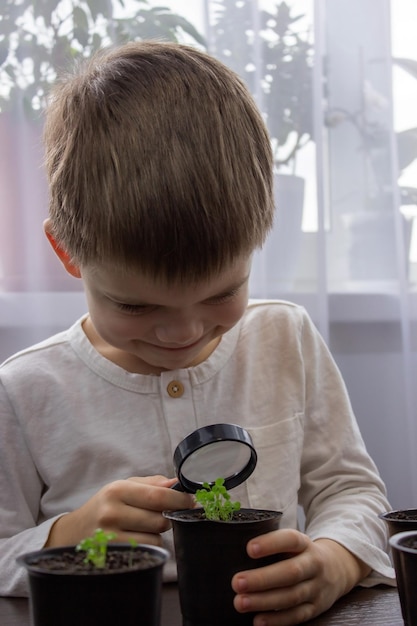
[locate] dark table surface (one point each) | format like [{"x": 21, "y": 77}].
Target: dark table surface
[{"x": 378, "y": 606}]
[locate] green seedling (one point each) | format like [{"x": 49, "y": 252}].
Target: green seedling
[
  {"x": 133, "y": 544},
  {"x": 96, "y": 547},
  {"x": 216, "y": 501}
]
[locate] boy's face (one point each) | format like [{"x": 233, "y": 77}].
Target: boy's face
[{"x": 146, "y": 326}]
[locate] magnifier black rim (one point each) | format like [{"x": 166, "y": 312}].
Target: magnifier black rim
[{"x": 207, "y": 435}]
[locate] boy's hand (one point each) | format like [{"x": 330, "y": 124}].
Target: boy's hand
[
  {"x": 131, "y": 508},
  {"x": 299, "y": 588}
]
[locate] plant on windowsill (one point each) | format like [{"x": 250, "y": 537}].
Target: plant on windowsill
[
  {"x": 39, "y": 39},
  {"x": 276, "y": 63},
  {"x": 210, "y": 547},
  {"x": 372, "y": 220},
  {"x": 375, "y": 141},
  {"x": 96, "y": 582},
  {"x": 271, "y": 50}
]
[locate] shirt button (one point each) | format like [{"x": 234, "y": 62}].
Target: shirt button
[{"x": 175, "y": 389}]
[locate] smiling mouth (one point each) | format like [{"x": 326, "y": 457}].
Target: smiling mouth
[{"x": 179, "y": 348}]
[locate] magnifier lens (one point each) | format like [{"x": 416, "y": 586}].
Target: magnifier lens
[
  {"x": 211, "y": 452},
  {"x": 219, "y": 459}
]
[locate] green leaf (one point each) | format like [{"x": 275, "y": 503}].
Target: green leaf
[
  {"x": 215, "y": 501},
  {"x": 81, "y": 35},
  {"x": 80, "y": 19},
  {"x": 56, "y": 49},
  {"x": 95, "y": 547},
  {"x": 97, "y": 41},
  {"x": 4, "y": 52},
  {"x": 100, "y": 7}
]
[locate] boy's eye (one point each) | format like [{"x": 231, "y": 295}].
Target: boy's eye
[
  {"x": 132, "y": 308},
  {"x": 224, "y": 297}
]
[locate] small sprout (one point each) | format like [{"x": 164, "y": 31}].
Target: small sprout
[
  {"x": 216, "y": 501},
  {"x": 133, "y": 544},
  {"x": 96, "y": 547}
]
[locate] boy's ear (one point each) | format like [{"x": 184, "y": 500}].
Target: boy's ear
[{"x": 63, "y": 256}]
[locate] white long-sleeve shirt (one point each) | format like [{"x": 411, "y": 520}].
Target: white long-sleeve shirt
[{"x": 72, "y": 421}]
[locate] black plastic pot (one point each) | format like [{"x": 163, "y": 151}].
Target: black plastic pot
[
  {"x": 400, "y": 520},
  {"x": 405, "y": 563},
  {"x": 129, "y": 597},
  {"x": 208, "y": 554}
]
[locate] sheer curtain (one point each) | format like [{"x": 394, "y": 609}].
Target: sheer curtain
[{"x": 337, "y": 83}]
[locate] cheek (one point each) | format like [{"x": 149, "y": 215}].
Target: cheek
[
  {"x": 232, "y": 312},
  {"x": 115, "y": 327}
]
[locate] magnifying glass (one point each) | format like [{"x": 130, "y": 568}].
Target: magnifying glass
[{"x": 211, "y": 452}]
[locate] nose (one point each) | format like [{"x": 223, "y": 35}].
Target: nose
[{"x": 179, "y": 330}]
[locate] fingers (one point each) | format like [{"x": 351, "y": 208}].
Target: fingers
[
  {"x": 155, "y": 495},
  {"x": 291, "y": 617},
  {"x": 284, "y": 597},
  {"x": 147, "y": 538},
  {"x": 281, "y": 588},
  {"x": 158, "y": 480},
  {"x": 130, "y": 508},
  {"x": 286, "y": 542},
  {"x": 295, "y": 589},
  {"x": 286, "y": 571},
  {"x": 279, "y": 576},
  {"x": 135, "y": 505},
  {"x": 274, "y": 599}
]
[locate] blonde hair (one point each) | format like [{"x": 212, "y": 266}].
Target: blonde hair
[{"x": 157, "y": 157}]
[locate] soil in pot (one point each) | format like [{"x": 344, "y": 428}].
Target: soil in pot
[
  {"x": 208, "y": 554},
  {"x": 411, "y": 542},
  {"x": 400, "y": 520},
  {"x": 71, "y": 562},
  {"x": 64, "y": 591},
  {"x": 243, "y": 515}
]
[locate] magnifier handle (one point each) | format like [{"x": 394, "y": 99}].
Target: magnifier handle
[{"x": 177, "y": 486}]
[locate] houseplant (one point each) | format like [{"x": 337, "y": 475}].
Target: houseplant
[
  {"x": 114, "y": 584},
  {"x": 40, "y": 39},
  {"x": 371, "y": 220},
  {"x": 277, "y": 66},
  {"x": 210, "y": 551},
  {"x": 272, "y": 51},
  {"x": 404, "y": 553},
  {"x": 37, "y": 41}
]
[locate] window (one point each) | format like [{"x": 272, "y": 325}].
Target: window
[{"x": 337, "y": 83}]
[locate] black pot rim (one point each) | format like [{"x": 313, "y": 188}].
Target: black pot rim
[
  {"x": 396, "y": 541},
  {"x": 388, "y": 515},
  {"x": 176, "y": 516},
  {"x": 26, "y": 559}
]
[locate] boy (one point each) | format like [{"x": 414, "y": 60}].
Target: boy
[{"x": 160, "y": 178}]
